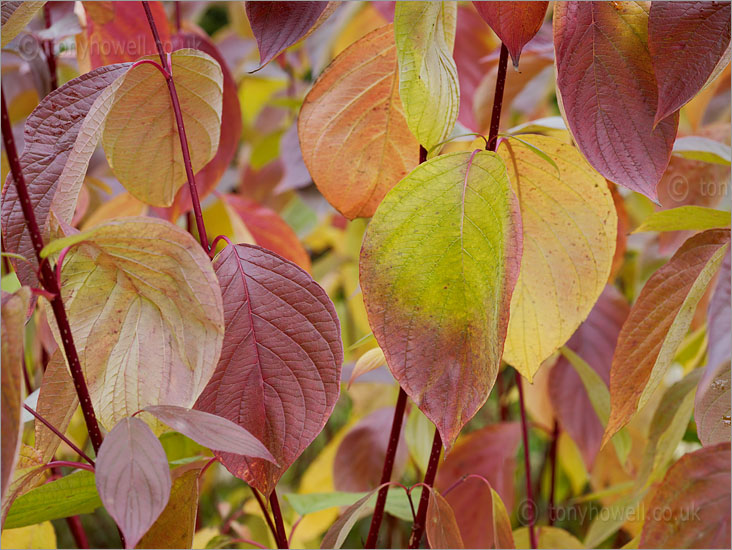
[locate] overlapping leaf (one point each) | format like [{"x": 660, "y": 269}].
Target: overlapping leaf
[
  {"x": 14, "y": 309},
  {"x": 133, "y": 478},
  {"x": 428, "y": 83},
  {"x": 594, "y": 341},
  {"x": 489, "y": 452},
  {"x": 15, "y": 16},
  {"x": 141, "y": 135},
  {"x": 441, "y": 526},
  {"x": 279, "y": 25},
  {"x": 360, "y": 457},
  {"x": 119, "y": 31},
  {"x": 57, "y": 402},
  {"x": 569, "y": 228},
  {"x": 691, "y": 507},
  {"x": 658, "y": 321},
  {"x": 609, "y": 93},
  {"x": 353, "y": 132},
  {"x": 515, "y": 23},
  {"x": 438, "y": 265},
  {"x": 687, "y": 41},
  {"x": 60, "y": 137},
  {"x": 279, "y": 372},
  {"x": 146, "y": 314}
]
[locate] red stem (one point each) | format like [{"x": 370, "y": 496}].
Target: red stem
[
  {"x": 61, "y": 436},
  {"x": 77, "y": 531},
  {"x": 279, "y": 522},
  {"x": 498, "y": 99},
  {"x": 553, "y": 466},
  {"x": 429, "y": 480},
  {"x": 177, "y": 16},
  {"x": 265, "y": 513},
  {"x": 181, "y": 130},
  {"x": 48, "y": 45},
  {"x": 396, "y": 428},
  {"x": 69, "y": 464},
  {"x": 527, "y": 463},
  {"x": 48, "y": 280}
]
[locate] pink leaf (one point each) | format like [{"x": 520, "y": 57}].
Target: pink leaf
[{"x": 279, "y": 372}]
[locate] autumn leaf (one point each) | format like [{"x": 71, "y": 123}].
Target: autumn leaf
[
  {"x": 14, "y": 309},
  {"x": 489, "y": 452},
  {"x": 118, "y": 31},
  {"x": 442, "y": 529},
  {"x": 608, "y": 91},
  {"x": 279, "y": 25},
  {"x": 569, "y": 229},
  {"x": 133, "y": 478},
  {"x": 15, "y": 16},
  {"x": 515, "y": 23},
  {"x": 60, "y": 136},
  {"x": 658, "y": 321},
  {"x": 140, "y": 291},
  {"x": 353, "y": 132},
  {"x": 428, "y": 83},
  {"x": 439, "y": 260},
  {"x": 691, "y": 507},
  {"x": 687, "y": 41},
  {"x": 285, "y": 386},
  {"x": 140, "y": 152},
  {"x": 594, "y": 341}
]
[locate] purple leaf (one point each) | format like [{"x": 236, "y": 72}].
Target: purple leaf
[
  {"x": 210, "y": 430},
  {"x": 133, "y": 478},
  {"x": 279, "y": 25},
  {"x": 279, "y": 372}
]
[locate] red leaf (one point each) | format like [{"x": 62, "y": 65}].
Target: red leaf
[
  {"x": 360, "y": 457},
  {"x": 210, "y": 430},
  {"x": 691, "y": 508},
  {"x": 594, "y": 342},
  {"x": 133, "y": 478},
  {"x": 231, "y": 123},
  {"x": 489, "y": 452},
  {"x": 687, "y": 40},
  {"x": 442, "y": 529},
  {"x": 515, "y": 23},
  {"x": 51, "y": 132},
  {"x": 279, "y": 25},
  {"x": 269, "y": 230},
  {"x": 608, "y": 91},
  {"x": 279, "y": 372},
  {"x": 119, "y": 31}
]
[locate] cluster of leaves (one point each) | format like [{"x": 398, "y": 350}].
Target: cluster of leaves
[{"x": 548, "y": 304}]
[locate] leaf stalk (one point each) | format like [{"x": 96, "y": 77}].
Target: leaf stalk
[
  {"x": 498, "y": 99},
  {"x": 429, "y": 480},
  {"x": 527, "y": 464}
]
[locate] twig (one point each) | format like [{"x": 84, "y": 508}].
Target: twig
[
  {"x": 265, "y": 513},
  {"x": 279, "y": 522},
  {"x": 498, "y": 99},
  {"x": 527, "y": 463},
  {"x": 429, "y": 480},
  {"x": 181, "y": 130},
  {"x": 61, "y": 436},
  {"x": 553, "y": 466},
  {"x": 48, "y": 46},
  {"x": 48, "y": 280}
]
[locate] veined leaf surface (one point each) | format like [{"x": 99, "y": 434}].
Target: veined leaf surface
[
  {"x": 428, "y": 82},
  {"x": 57, "y": 402},
  {"x": 569, "y": 227},
  {"x": 515, "y": 23},
  {"x": 141, "y": 136},
  {"x": 133, "y": 477},
  {"x": 279, "y": 372},
  {"x": 658, "y": 321},
  {"x": 687, "y": 41},
  {"x": 146, "y": 314},
  {"x": 608, "y": 91},
  {"x": 15, "y": 16},
  {"x": 60, "y": 137},
  {"x": 439, "y": 262},
  {"x": 442, "y": 530},
  {"x": 353, "y": 132}
]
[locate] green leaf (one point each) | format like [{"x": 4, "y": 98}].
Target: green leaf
[
  {"x": 441, "y": 257},
  {"x": 428, "y": 82},
  {"x": 397, "y": 503},
  {"x": 71, "y": 495},
  {"x": 703, "y": 149},
  {"x": 694, "y": 218},
  {"x": 599, "y": 396}
]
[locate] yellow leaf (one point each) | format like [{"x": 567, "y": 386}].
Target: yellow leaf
[
  {"x": 569, "y": 227},
  {"x": 32, "y": 536},
  {"x": 428, "y": 83},
  {"x": 16, "y": 15},
  {"x": 141, "y": 136}
]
